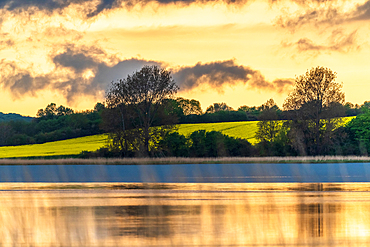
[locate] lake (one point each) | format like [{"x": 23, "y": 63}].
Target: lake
[
  {"x": 203, "y": 207},
  {"x": 189, "y": 173}
]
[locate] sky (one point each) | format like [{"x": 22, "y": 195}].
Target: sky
[{"x": 241, "y": 52}]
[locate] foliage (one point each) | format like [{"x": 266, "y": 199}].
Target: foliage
[
  {"x": 216, "y": 107},
  {"x": 189, "y": 107},
  {"x": 175, "y": 145},
  {"x": 56, "y": 124},
  {"x": 269, "y": 125},
  {"x": 315, "y": 105},
  {"x": 52, "y": 111},
  {"x": 359, "y": 130},
  {"x": 139, "y": 99},
  {"x": 206, "y": 144},
  {"x": 281, "y": 146}
]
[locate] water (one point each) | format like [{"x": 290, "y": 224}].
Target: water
[
  {"x": 202, "y": 213},
  {"x": 189, "y": 173}
]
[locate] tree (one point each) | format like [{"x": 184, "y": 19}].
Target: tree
[
  {"x": 216, "y": 107},
  {"x": 269, "y": 124},
  {"x": 51, "y": 110},
  {"x": 138, "y": 100},
  {"x": 190, "y": 106},
  {"x": 314, "y": 104}
]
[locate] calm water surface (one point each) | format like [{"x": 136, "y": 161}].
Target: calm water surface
[{"x": 184, "y": 214}]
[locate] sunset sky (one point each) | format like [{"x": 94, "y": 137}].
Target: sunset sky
[{"x": 234, "y": 51}]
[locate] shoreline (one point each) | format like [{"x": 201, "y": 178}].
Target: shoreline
[{"x": 184, "y": 160}]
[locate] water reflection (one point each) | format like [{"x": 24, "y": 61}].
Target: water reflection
[{"x": 184, "y": 215}]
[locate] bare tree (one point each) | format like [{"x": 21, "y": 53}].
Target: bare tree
[
  {"x": 315, "y": 102},
  {"x": 138, "y": 99}
]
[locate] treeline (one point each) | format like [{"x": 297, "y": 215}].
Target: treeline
[
  {"x": 200, "y": 143},
  {"x": 225, "y": 113},
  {"x": 51, "y": 124},
  {"x": 59, "y": 123},
  {"x": 293, "y": 138}
]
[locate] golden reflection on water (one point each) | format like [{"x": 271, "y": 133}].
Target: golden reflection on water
[{"x": 135, "y": 214}]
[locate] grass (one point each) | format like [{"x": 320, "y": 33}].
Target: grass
[{"x": 244, "y": 130}]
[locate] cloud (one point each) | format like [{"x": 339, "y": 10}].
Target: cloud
[
  {"x": 223, "y": 73},
  {"x": 336, "y": 42},
  {"x": 51, "y": 5},
  {"x": 103, "y": 68},
  {"x": 79, "y": 71},
  {"x": 88, "y": 71},
  {"x": 327, "y": 13},
  {"x": 362, "y": 12},
  {"x": 20, "y": 81},
  {"x": 92, "y": 8},
  {"x": 317, "y": 16},
  {"x": 96, "y": 6}
]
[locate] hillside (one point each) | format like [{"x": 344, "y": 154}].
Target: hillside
[
  {"x": 244, "y": 130},
  {"x": 5, "y": 117}
]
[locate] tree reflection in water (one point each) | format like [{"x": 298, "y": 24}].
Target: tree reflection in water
[{"x": 186, "y": 215}]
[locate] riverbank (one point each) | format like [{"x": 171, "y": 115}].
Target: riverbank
[{"x": 185, "y": 160}]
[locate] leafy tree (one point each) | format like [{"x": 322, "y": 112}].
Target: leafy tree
[
  {"x": 138, "y": 99},
  {"x": 216, "y": 144},
  {"x": 62, "y": 111},
  {"x": 359, "y": 130},
  {"x": 351, "y": 109},
  {"x": 216, "y": 107},
  {"x": 314, "y": 105},
  {"x": 269, "y": 125},
  {"x": 52, "y": 110},
  {"x": 190, "y": 107},
  {"x": 99, "y": 107},
  {"x": 175, "y": 145}
]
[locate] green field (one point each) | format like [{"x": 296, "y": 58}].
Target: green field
[{"x": 245, "y": 130}]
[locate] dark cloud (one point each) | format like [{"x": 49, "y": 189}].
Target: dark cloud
[
  {"x": 105, "y": 69},
  {"x": 77, "y": 61},
  {"x": 362, "y": 12},
  {"x": 72, "y": 83},
  {"x": 51, "y": 5},
  {"x": 323, "y": 12},
  {"x": 102, "y": 5},
  {"x": 337, "y": 41},
  {"x": 40, "y": 4},
  {"x": 222, "y": 73},
  {"x": 70, "y": 79},
  {"x": 317, "y": 16},
  {"x": 20, "y": 81},
  {"x": 215, "y": 74}
]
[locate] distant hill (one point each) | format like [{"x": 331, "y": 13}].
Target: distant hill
[{"x": 5, "y": 117}]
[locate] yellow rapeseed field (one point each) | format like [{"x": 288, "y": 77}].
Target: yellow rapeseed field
[
  {"x": 244, "y": 130},
  {"x": 65, "y": 147}
]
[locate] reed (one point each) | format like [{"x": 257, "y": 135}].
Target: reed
[{"x": 186, "y": 160}]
